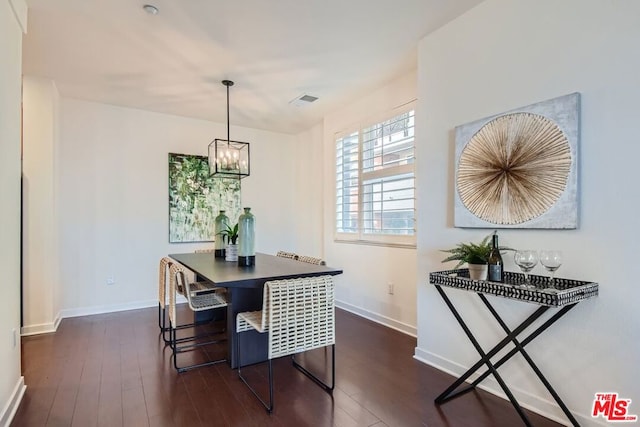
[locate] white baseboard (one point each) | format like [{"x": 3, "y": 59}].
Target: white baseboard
[
  {"x": 375, "y": 317},
  {"x": 9, "y": 410},
  {"x": 57, "y": 320},
  {"x": 537, "y": 404},
  {"x": 109, "y": 308},
  {"x": 46, "y": 328},
  {"x": 42, "y": 328},
  {"x": 112, "y": 308}
]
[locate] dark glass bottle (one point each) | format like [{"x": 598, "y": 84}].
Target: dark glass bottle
[{"x": 496, "y": 267}]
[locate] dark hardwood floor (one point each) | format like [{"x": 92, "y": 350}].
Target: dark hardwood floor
[{"x": 114, "y": 370}]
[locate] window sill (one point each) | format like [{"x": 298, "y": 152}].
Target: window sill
[{"x": 376, "y": 243}]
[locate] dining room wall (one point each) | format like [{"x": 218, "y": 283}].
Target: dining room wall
[
  {"x": 111, "y": 192},
  {"x": 530, "y": 52},
  {"x": 368, "y": 269},
  {"x": 39, "y": 236},
  {"x": 13, "y": 22},
  {"x": 309, "y": 187}
]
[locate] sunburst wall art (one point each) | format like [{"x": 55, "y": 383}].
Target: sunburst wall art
[{"x": 519, "y": 169}]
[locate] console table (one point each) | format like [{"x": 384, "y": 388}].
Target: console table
[{"x": 562, "y": 294}]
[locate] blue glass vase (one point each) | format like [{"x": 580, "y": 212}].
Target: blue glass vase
[{"x": 246, "y": 239}]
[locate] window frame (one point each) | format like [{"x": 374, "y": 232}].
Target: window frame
[{"x": 360, "y": 237}]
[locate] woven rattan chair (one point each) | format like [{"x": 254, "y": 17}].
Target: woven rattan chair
[
  {"x": 285, "y": 254},
  {"x": 163, "y": 281},
  {"x": 298, "y": 315},
  {"x": 198, "y": 300},
  {"x": 163, "y": 284},
  {"x": 311, "y": 260}
]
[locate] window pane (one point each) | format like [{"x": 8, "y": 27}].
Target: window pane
[
  {"x": 389, "y": 143},
  {"x": 347, "y": 184},
  {"x": 388, "y": 205},
  {"x": 375, "y": 185}
]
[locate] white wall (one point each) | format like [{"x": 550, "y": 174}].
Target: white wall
[
  {"x": 368, "y": 269},
  {"x": 309, "y": 188},
  {"x": 112, "y": 200},
  {"x": 11, "y": 26},
  {"x": 40, "y": 255},
  {"x": 499, "y": 56}
]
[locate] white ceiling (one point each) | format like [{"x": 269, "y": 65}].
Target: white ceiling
[{"x": 111, "y": 51}]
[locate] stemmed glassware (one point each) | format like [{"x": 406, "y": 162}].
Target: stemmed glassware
[
  {"x": 551, "y": 260},
  {"x": 526, "y": 259}
]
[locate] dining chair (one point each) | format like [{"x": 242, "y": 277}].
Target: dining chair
[
  {"x": 311, "y": 260},
  {"x": 163, "y": 280},
  {"x": 198, "y": 300},
  {"x": 299, "y": 315},
  {"x": 285, "y": 254},
  {"x": 163, "y": 283}
]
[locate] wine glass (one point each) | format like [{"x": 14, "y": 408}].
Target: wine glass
[
  {"x": 551, "y": 260},
  {"x": 526, "y": 259}
]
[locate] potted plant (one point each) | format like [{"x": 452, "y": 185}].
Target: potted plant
[
  {"x": 230, "y": 235},
  {"x": 474, "y": 254}
]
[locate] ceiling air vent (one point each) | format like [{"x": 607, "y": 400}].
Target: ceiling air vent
[{"x": 301, "y": 100}]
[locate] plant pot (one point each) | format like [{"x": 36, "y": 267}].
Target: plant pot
[
  {"x": 478, "y": 271},
  {"x": 231, "y": 253}
]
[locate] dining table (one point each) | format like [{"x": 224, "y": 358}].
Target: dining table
[{"x": 244, "y": 285}]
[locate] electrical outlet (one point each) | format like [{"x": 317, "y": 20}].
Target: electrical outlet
[
  {"x": 390, "y": 288},
  {"x": 111, "y": 280}
]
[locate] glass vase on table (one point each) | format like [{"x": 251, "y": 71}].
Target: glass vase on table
[
  {"x": 526, "y": 259},
  {"x": 246, "y": 239},
  {"x": 221, "y": 223}
]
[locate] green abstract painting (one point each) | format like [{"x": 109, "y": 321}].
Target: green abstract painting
[{"x": 195, "y": 199}]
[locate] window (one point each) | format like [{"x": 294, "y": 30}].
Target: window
[{"x": 375, "y": 182}]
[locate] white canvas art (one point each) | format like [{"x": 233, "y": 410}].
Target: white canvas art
[{"x": 519, "y": 169}]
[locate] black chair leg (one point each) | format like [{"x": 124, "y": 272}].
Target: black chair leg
[
  {"x": 175, "y": 350},
  {"x": 162, "y": 322},
  {"x": 323, "y": 385},
  {"x": 166, "y": 329},
  {"x": 267, "y": 406}
]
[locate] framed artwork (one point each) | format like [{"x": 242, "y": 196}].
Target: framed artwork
[
  {"x": 195, "y": 198},
  {"x": 519, "y": 169}
]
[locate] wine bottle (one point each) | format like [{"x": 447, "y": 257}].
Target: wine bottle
[{"x": 496, "y": 267}]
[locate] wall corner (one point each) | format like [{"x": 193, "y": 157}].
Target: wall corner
[{"x": 20, "y": 10}]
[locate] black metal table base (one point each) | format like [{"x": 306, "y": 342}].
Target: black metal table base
[{"x": 492, "y": 368}]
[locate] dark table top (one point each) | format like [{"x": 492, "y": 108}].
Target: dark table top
[{"x": 268, "y": 267}]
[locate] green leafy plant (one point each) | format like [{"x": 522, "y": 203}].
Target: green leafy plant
[
  {"x": 471, "y": 253},
  {"x": 230, "y": 234}
]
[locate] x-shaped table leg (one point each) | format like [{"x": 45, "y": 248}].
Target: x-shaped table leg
[{"x": 485, "y": 359}]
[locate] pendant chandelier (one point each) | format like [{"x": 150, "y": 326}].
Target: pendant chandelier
[{"x": 227, "y": 158}]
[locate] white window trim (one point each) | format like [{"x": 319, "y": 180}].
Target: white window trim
[{"x": 388, "y": 240}]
